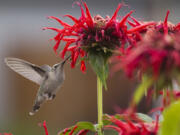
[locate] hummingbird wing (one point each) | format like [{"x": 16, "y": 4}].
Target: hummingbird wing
[{"x": 26, "y": 69}]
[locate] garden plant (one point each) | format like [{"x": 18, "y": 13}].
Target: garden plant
[{"x": 146, "y": 50}]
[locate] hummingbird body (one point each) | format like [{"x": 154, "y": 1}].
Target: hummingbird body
[
  {"x": 51, "y": 83},
  {"x": 49, "y": 78}
]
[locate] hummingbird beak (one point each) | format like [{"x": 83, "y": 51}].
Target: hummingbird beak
[{"x": 64, "y": 61}]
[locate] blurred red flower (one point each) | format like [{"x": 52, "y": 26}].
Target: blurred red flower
[
  {"x": 133, "y": 128},
  {"x": 157, "y": 53}
]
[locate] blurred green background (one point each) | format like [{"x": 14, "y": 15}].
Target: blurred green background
[{"x": 21, "y": 36}]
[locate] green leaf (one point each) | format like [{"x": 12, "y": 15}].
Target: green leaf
[
  {"x": 105, "y": 119},
  {"x": 163, "y": 82},
  {"x": 100, "y": 66},
  {"x": 144, "y": 117},
  {"x": 67, "y": 132},
  {"x": 171, "y": 120},
  {"x": 80, "y": 126},
  {"x": 86, "y": 126},
  {"x": 142, "y": 88}
]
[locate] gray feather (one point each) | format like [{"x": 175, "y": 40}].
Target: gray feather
[
  {"x": 46, "y": 68},
  {"x": 26, "y": 69}
]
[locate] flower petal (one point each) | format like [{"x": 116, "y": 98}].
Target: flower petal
[
  {"x": 122, "y": 22},
  {"x": 61, "y": 22},
  {"x": 165, "y": 25},
  {"x": 115, "y": 14},
  {"x": 89, "y": 18},
  {"x": 140, "y": 27}
]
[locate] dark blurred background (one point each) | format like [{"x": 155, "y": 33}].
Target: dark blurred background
[{"x": 21, "y": 36}]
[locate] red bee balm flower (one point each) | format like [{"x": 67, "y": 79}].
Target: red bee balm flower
[
  {"x": 133, "y": 127},
  {"x": 161, "y": 26},
  {"x": 95, "y": 35},
  {"x": 156, "y": 54}
]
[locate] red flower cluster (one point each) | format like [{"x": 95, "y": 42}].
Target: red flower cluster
[
  {"x": 162, "y": 27},
  {"x": 135, "y": 127},
  {"x": 96, "y": 35},
  {"x": 157, "y": 53},
  {"x": 125, "y": 126}
]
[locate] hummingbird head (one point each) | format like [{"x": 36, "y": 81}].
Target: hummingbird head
[
  {"x": 61, "y": 64},
  {"x": 55, "y": 66}
]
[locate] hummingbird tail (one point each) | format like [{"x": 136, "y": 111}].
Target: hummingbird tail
[
  {"x": 37, "y": 105},
  {"x": 31, "y": 113}
]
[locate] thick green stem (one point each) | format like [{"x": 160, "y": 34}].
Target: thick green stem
[{"x": 100, "y": 106}]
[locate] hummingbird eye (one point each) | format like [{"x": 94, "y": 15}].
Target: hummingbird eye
[{"x": 55, "y": 66}]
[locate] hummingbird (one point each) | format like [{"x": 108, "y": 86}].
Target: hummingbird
[{"x": 49, "y": 78}]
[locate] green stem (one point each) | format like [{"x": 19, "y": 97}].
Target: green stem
[{"x": 100, "y": 105}]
